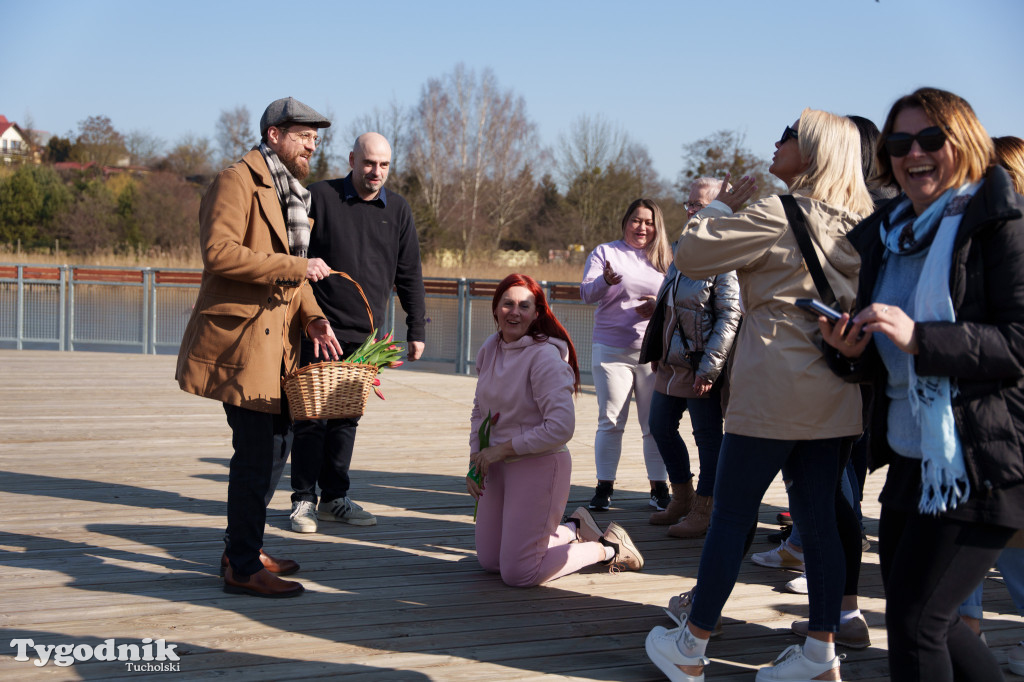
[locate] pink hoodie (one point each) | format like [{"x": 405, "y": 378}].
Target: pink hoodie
[{"x": 530, "y": 384}]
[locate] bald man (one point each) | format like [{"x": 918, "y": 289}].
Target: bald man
[{"x": 363, "y": 230}]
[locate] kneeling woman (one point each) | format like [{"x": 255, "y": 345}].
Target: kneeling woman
[{"x": 528, "y": 375}]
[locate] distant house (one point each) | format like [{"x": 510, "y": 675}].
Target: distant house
[{"x": 14, "y": 148}]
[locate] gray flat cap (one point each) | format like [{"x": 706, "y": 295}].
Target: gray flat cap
[{"x": 291, "y": 110}]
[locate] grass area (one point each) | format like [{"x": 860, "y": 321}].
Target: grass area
[{"x": 480, "y": 269}]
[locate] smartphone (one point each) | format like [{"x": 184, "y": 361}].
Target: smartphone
[{"x": 819, "y": 308}]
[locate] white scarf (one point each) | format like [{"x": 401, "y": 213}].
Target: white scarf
[{"x": 944, "y": 483}]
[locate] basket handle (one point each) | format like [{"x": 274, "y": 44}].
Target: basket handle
[{"x": 366, "y": 303}]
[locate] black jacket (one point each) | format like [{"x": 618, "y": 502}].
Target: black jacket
[{"x": 982, "y": 351}]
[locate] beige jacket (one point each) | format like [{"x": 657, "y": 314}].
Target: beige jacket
[
  {"x": 781, "y": 387},
  {"x": 253, "y": 301}
]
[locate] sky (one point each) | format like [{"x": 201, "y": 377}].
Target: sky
[{"x": 668, "y": 73}]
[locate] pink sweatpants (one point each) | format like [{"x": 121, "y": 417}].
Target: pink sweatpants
[{"x": 518, "y": 523}]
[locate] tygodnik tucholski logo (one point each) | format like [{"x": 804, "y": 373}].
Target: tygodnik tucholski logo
[{"x": 148, "y": 655}]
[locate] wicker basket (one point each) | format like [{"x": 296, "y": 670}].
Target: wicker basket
[{"x": 331, "y": 390}]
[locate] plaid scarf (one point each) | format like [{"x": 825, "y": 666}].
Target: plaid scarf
[{"x": 295, "y": 202}]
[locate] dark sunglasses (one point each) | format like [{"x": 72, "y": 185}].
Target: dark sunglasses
[
  {"x": 788, "y": 134},
  {"x": 931, "y": 140}
]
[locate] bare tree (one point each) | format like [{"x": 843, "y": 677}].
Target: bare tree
[
  {"x": 143, "y": 147},
  {"x": 471, "y": 141},
  {"x": 589, "y": 154},
  {"x": 98, "y": 141},
  {"x": 190, "y": 157},
  {"x": 234, "y": 134},
  {"x": 724, "y": 152}
]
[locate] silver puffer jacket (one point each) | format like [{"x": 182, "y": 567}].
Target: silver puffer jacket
[{"x": 692, "y": 319}]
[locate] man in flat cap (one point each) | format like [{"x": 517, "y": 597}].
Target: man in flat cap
[{"x": 252, "y": 310}]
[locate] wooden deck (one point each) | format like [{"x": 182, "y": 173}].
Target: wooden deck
[{"x": 112, "y": 498}]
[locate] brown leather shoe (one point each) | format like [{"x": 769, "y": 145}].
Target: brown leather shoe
[
  {"x": 272, "y": 564},
  {"x": 261, "y": 584}
]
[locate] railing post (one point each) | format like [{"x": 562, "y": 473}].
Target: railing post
[
  {"x": 461, "y": 328},
  {"x": 71, "y": 308},
  {"x": 148, "y": 313},
  {"x": 62, "y": 339},
  {"x": 19, "y": 311}
]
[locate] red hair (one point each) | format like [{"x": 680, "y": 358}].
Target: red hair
[{"x": 546, "y": 325}]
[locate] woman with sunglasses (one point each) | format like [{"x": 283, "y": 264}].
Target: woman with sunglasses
[
  {"x": 787, "y": 411},
  {"x": 940, "y": 335}
]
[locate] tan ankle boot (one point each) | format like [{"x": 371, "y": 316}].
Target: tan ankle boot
[
  {"x": 682, "y": 500},
  {"x": 695, "y": 524}
]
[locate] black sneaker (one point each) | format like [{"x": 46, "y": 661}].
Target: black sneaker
[
  {"x": 782, "y": 535},
  {"x": 602, "y": 498},
  {"x": 784, "y": 518},
  {"x": 660, "y": 496}
]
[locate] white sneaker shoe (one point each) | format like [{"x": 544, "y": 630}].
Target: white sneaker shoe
[
  {"x": 798, "y": 585},
  {"x": 664, "y": 652},
  {"x": 1015, "y": 658},
  {"x": 793, "y": 666},
  {"x": 304, "y": 517},
  {"x": 780, "y": 557},
  {"x": 346, "y": 511}
]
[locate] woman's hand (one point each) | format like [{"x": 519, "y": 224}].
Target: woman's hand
[
  {"x": 891, "y": 321},
  {"x": 646, "y": 307},
  {"x": 611, "y": 278},
  {"x": 474, "y": 489},
  {"x": 701, "y": 386},
  {"x": 877, "y": 317},
  {"x": 483, "y": 459},
  {"x": 849, "y": 342},
  {"x": 737, "y": 195}
]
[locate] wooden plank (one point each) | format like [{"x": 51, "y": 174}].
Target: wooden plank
[{"x": 113, "y": 490}]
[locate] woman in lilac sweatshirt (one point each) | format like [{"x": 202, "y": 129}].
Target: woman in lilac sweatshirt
[
  {"x": 623, "y": 277},
  {"x": 528, "y": 375}
]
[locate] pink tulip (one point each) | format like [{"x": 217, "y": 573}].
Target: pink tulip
[
  {"x": 396, "y": 363},
  {"x": 376, "y": 382},
  {"x": 379, "y": 394}
]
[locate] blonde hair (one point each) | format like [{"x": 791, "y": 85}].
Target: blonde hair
[
  {"x": 973, "y": 148},
  {"x": 830, "y": 145},
  {"x": 1010, "y": 155},
  {"x": 657, "y": 250}
]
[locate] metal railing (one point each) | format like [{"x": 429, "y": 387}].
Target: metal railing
[{"x": 145, "y": 310}]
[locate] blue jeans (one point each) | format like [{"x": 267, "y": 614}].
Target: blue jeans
[
  {"x": 706, "y": 420},
  {"x": 1011, "y": 565},
  {"x": 746, "y": 467}
]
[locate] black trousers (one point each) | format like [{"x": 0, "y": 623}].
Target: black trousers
[
  {"x": 930, "y": 564},
  {"x": 322, "y": 449},
  {"x": 256, "y": 438}
]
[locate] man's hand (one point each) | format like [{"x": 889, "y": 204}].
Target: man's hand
[
  {"x": 415, "y": 351},
  {"x": 319, "y": 330},
  {"x": 317, "y": 269}
]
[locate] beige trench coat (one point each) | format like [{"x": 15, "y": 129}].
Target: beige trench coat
[
  {"x": 253, "y": 302},
  {"x": 781, "y": 387}
]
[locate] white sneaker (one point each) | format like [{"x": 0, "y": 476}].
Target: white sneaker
[
  {"x": 664, "y": 652},
  {"x": 780, "y": 557},
  {"x": 304, "y": 517},
  {"x": 346, "y": 511},
  {"x": 798, "y": 585},
  {"x": 793, "y": 666},
  {"x": 1016, "y": 659}
]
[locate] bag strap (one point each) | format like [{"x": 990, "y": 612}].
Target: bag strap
[
  {"x": 798, "y": 223},
  {"x": 361, "y": 294}
]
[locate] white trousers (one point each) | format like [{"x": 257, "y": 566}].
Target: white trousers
[{"x": 617, "y": 374}]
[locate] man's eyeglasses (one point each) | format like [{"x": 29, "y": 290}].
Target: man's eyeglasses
[
  {"x": 788, "y": 134},
  {"x": 307, "y": 137},
  {"x": 694, "y": 206},
  {"x": 931, "y": 139}
]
